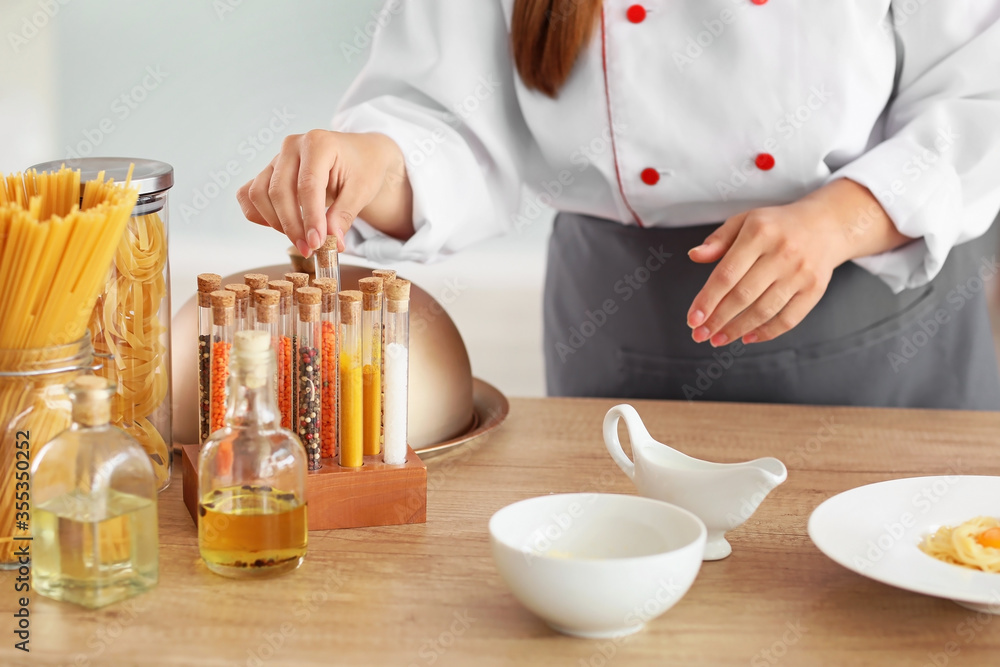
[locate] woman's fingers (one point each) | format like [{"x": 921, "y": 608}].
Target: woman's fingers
[
  {"x": 284, "y": 195},
  {"x": 318, "y": 154},
  {"x": 763, "y": 310},
  {"x": 259, "y": 198},
  {"x": 718, "y": 242},
  {"x": 727, "y": 274},
  {"x": 745, "y": 294},
  {"x": 787, "y": 319}
]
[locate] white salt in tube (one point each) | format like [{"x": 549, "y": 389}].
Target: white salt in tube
[{"x": 396, "y": 360}]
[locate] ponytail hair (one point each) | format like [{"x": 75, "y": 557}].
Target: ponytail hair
[{"x": 548, "y": 36}]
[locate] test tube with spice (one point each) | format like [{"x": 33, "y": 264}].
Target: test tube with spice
[
  {"x": 351, "y": 445},
  {"x": 329, "y": 356},
  {"x": 207, "y": 283},
  {"x": 284, "y": 288},
  {"x": 328, "y": 260},
  {"x": 397, "y": 365},
  {"x": 242, "y": 292},
  {"x": 266, "y": 319},
  {"x": 255, "y": 281},
  {"x": 298, "y": 281},
  {"x": 223, "y": 330},
  {"x": 371, "y": 356},
  {"x": 309, "y": 374},
  {"x": 386, "y": 275}
]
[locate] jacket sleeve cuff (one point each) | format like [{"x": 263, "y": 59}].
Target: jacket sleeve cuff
[{"x": 921, "y": 193}]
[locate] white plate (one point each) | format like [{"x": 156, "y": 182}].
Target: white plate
[{"x": 875, "y": 531}]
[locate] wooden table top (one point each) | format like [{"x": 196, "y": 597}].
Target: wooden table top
[{"x": 422, "y": 595}]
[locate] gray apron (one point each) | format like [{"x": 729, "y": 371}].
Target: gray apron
[{"x": 616, "y": 302}]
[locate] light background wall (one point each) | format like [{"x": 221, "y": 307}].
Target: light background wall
[{"x": 201, "y": 84}]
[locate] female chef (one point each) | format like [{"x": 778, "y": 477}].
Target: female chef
[{"x": 846, "y": 148}]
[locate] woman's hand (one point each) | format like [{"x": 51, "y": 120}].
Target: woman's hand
[
  {"x": 321, "y": 181},
  {"x": 775, "y": 263}
]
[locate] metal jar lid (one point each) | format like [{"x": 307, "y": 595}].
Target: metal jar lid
[{"x": 150, "y": 176}]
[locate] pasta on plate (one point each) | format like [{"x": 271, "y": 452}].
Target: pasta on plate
[{"x": 974, "y": 544}]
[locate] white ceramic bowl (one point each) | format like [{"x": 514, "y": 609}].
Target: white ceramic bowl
[{"x": 594, "y": 564}]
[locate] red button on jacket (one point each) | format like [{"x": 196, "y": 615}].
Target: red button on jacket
[
  {"x": 758, "y": 2},
  {"x": 765, "y": 161},
  {"x": 650, "y": 176},
  {"x": 636, "y": 13}
]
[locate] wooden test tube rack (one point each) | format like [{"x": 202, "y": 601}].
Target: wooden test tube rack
[{"x": 375, "y": 494}]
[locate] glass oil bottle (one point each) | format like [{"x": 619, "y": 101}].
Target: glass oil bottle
[
  {"x": 94, "y": 507},
  {"x": 252, "y": 476}
]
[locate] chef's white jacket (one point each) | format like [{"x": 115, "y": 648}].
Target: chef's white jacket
[{"x": 684, "y": 112}]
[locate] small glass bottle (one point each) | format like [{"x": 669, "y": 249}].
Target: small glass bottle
[
  {"x": 371, "y": 356},
  {"x": 309, "y": 374},
  {"x": 266, "y": 320},
  {"x": 223, "y": 328},
  {"x": 396, "y": 361},
  {"x": 329, "y": 355},
  {"x": 242, "y": 312},
  {"x": 351, "y": 444},
  {"x": 386, "y": 275},
  {"x": 207, "y": 283},
  {"x": 93, "y": 507},
  {"x": 252, "y": 476},
  {"x": 328, "y": 260},
  {"x": 284, "y": 288},
  {"x": 255, "y": 281}
]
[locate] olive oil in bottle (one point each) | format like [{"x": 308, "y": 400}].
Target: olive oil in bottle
[
  {"x": 252, "y": 475},
  {"x": 94, "y": 512}
]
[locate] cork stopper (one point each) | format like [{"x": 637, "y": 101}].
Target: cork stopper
[
  {"x": 223, "y": 308},
  {"x": 256, "y": 281},
  {"x": 241, "y": 290},
  {"x": 91, "y": 398},
  {"x": 298, "y": 279},
  {"x": 207, "y": 283},
  {"x": 385, "y": 274},
  {"x": 309, "y": 295},
  {"x": 267, "y": 305},
  {"x": 397, "y": 296},
  {"x": 328, "y": 286},
  {"x": 267, "y": 297},
  {"x": 326, "y": 256},
  {"x": 349, "y": 311},
  {"x": 283, "y": 287},
  {"x": 371, "y": 288}
]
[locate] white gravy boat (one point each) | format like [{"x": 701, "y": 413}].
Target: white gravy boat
[{"x": 723, "y": 495}]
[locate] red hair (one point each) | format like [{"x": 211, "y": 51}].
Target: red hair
[{"x": 548, "y": 36}]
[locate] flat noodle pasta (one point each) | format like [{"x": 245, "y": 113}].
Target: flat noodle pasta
[
  {"x": 127, "y": 329},
  {"x": 962, "y": 545},
  {"x": 55, "y": 254}
]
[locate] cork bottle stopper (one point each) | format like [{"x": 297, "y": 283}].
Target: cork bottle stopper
[
  {"x": 349, "y": 300},
  {"x": 91, "y": 397},
  {"x": 267, "y": 297},
  {"x": 326, "y": 285},
  {"x": 256, "y": 281},
  {"x": 309, "y": 299},
  {"x": 385, "y": 274},
  {"x": 372, "y": 290},
  {"x": 283, "y": 287},
  {"x": 223, "y": 308},
  {"x": 298, "y": 279},
  {"x": 207, "y": 283},
  {"x": 326, "y": 256},
  {"x": 241, "y": 290},
  {"x": 267, "y": 305},
  {"x": 397, "y": 295}
]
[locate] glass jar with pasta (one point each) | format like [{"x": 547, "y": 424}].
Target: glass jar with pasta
[
  {"x": 34, "y": 407},
  {"x": 131, "y": 321}
]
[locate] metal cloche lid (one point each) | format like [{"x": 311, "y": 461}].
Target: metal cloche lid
[{"x": 150, "y": 176}]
